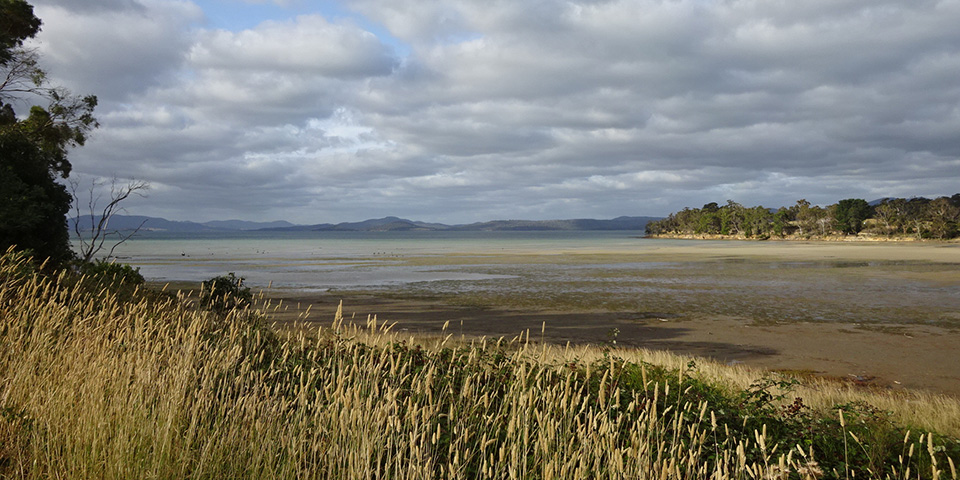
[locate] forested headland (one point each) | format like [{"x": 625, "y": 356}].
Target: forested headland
[{"x": 891, "y": 218}]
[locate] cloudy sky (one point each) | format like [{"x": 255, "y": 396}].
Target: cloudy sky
[{"x": 468, "y": 110}]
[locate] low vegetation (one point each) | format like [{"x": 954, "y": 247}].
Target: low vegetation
[
  {"x": 225, "y": 293},
  {"x": 150, "y": 385},
  {"x": 917, "y": 218}
]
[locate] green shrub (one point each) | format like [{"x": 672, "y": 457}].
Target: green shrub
[
  {"x": 224, "y": 293},
  {"x": 17, "y": 265},
  {"x": 113, "y": 273}
]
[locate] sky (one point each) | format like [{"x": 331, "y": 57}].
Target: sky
[{"x": 458, "y": 111}]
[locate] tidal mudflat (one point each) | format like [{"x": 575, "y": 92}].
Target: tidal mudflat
[{"x": 878, "y": 314}]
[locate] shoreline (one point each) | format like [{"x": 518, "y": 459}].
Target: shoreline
[{"x": 859, "y": 238}]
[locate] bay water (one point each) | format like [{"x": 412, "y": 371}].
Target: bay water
[
  {"x": 581, "y": 271},
  {"x": 323, "y": 260}
]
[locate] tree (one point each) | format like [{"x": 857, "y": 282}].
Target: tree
[
  {"x": 915, "y": 217},
  {"x": 17, "y": 23},
  {"x": 822, "y": 219},
  {"x": 943, "y": 216},
  {"x": 781, "y": 221},
  {"x": 731, "y": 218},
  {"x": 709, "y": 221},
  {"x": 21, "y": 74},
  {"x": 33, "y": 206},
  {"x": 805, "y": 216},
  {"x": 33, "y": 150},
  {"x": 687, "y": 220},
  {"x": 93, "y": 228},
  {"x": 890, "y": 213},
  {"x": 850, "y": 214},
  {"x": 926, "y": 218},
  {"x": 757, "y": 221}
]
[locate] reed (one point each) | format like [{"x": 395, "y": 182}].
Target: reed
[{"x": 100, "y": 385}]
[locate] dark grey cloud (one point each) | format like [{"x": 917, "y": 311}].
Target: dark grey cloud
[
  {"x": 539, "y": 109},
  {"x": 93, "y": 6}
]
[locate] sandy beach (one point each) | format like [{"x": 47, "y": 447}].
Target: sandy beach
[{"x": 915, "y": 353}]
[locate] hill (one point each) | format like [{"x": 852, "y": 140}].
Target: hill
[
  {"x": 385, "y": 224},
  {"x": 401, "y": 224},
  {"x": 619, "y": 223},
  {"x": 156, "y": 224}
]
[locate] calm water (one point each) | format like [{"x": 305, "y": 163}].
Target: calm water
[{"x": 323, "y": 260}]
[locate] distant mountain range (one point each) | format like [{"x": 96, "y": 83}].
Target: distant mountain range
[
  {"x": 130, "y": 222},
  {"x": 400, "y": 224}
]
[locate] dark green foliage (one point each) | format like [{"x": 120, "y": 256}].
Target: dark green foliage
[
  {"x": 102, "y": 279},
  {"x": 33, "y": 150},
  {"x": 224, "y": 293},
  {"x": 17, "y": 23},
  {"x": 33, "y": 206},
  {"x": 781, "y": 221},
  {"x": 112, "y": 272},
  {"x": 920, "y": 217},
  {"x": 65, "y": 123},
  {"x": 33, "y": 154},
  {"x": 849, "y": 215},
  {"x": 765, "y": 394}
]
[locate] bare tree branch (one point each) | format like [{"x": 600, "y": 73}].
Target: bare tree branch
[
  {"x": 22, "y": 75},
  {"x": 93, "y": 241}
]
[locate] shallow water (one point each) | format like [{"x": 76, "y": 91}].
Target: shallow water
[
  {"x": 322, "y": 260},
  {"x": 583, "y": 271}
]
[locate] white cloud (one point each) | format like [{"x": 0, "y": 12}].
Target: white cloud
[
  {"x": 307, "y": 46},
  {"x": 547, "y": 109}
]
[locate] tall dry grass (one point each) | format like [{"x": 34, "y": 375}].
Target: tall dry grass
[
  {"x": 95, "y": 385},
  {"x": 922, "y": 409}
]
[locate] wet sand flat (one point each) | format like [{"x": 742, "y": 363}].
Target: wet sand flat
[
  {"x": 909, "y": 356},
  {"x": 881, "y": 314},
  {"x": 797, "y": 250}
]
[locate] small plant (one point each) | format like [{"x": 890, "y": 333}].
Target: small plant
[
  {"x": 612, "y": 335},
  {"x": 112, "y": 272},
  {"x": 768, "y": 392},
  {"x": 224, "y": 293}
]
